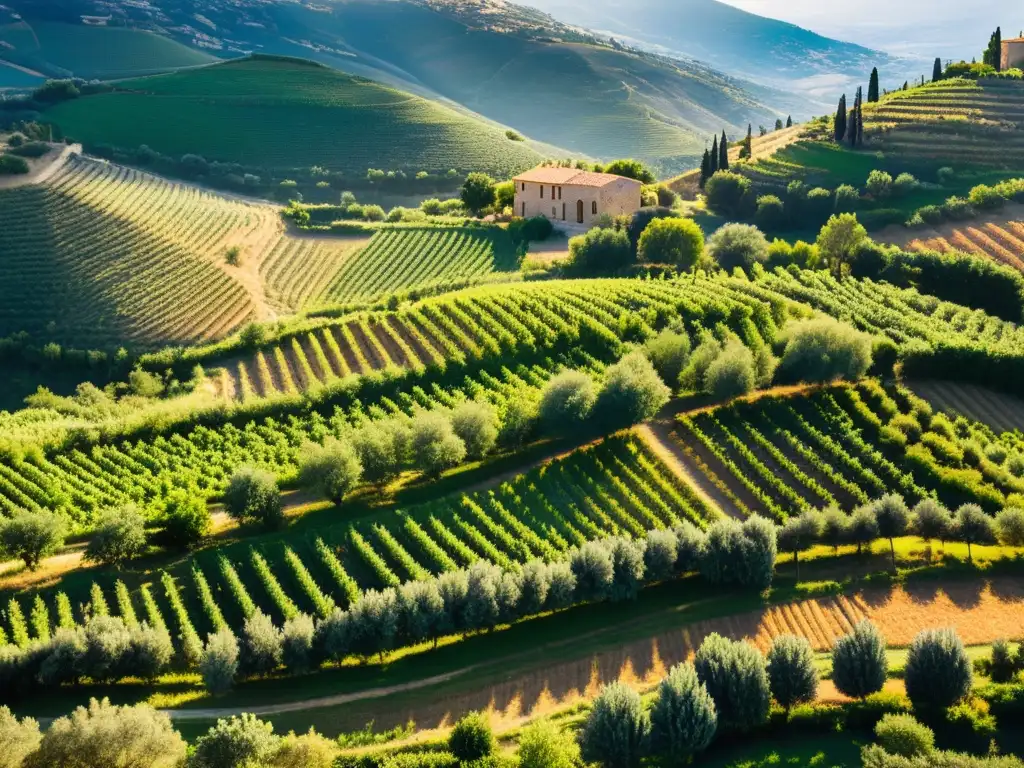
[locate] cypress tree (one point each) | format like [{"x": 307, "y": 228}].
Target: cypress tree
[
  {"x": 705, "y": 167},
  {"x": 750, "y": 141},
  {"x": 860, "y": 124},
  {"x": 789, "y": 121},
  {"x": 840, "y": 132},
  {"x": 714, "y": 156},
  {"x": 994, "y": 53},
  {"x": 723, "y": 153},
  {"x": 937, "y": 70},
  {"x": 873, "y": 86},
  {"x": 851, "y": 123}
]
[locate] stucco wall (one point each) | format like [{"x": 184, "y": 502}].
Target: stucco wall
[
  {"x": 1013, "y": 55},
  {"x": 614, "y": 199}
]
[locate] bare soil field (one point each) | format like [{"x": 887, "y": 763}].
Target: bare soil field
[{"x": 1004, "y": 413}]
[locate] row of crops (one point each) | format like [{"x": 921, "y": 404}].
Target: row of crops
[
  {"x": 618, "y": 487},
  {"x": 497, "y": 340},
  {"x": 100, "y": 255},
  {"x": 1002, "y": 242},
  {"x": 844, "y": 446}
]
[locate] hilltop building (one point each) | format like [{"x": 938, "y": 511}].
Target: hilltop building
[
  {"x": 1013, "y": 54},
  {"x": 574, "y": 198}
]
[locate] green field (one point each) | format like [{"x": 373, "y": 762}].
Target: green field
[
  {"x": 283, "y": 115},
  {"x": 91, "y": 52}
]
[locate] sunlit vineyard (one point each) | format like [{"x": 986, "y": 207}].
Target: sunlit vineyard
[
  {"x": 101, "y": 255},
  {"x": 347, "y": 124},
  {"x": 844, "y": 446},
  {"x": 616, "y": 488},
  {"x": 502, "y": 338},
  {"x": 955, "y": 122},
  {"x": 1001, "y": 241}
]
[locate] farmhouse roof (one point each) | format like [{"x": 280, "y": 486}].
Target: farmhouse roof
[
  {"x": 1014, "y": 40},
  {"x": 570, "y": 177}
]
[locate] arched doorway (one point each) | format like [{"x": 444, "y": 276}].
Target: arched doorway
[{"x": 579, "y": 211}]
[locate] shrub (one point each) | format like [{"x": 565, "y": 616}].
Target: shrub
[
  {"x": 938, "y": 672},
  {"x": 859, "y": 662},
  {"x": 972, "y": 526},
  {"x": 738, "y": 245},
  {"x": 567, "y": 400},
  {"x": 732, "y": 373},
  {"x": 471, "y": 738},
  {"x": 672, "y": 241},
  {"x": 694, "y": 375},
  {"x": 11, "y": 165},
  {"x": 631, "y": 169},
  {"x": 310, "y": 750},
  {"x": 108, "y": 735},
  {"x": 185, "y": 521},
  {"x": 736, "y": 677},
  {"x": 120, "y": 536},
  {"x": 905, "y": 184},
  {"x": 616, "y": 730},
  {"x": 542, "y": 744},
  {"x": 151, "y": 651},
  {"x": 600, "y": 251},
  {"x": 903, "y": 735},
  {"x": 668, "y": 352},
  {"x": 684, "y": 717},
  {"x": 1002, "y": 667},
  {"x": 520, "y": 420},
  {"x": 879, "y": 185},
  {"x": 478, "y": 193},
  {"x": 632, "y": 392},
  {"x": 476, "y": 424},
  {"x": 18, "y": 739},
  {"x": 823, "y": 350},
  {"x": 740, "y": 554},
  {"x": 434, "y": 445},
  {"x": 727, "y": 193},
  {"x": 252, "y": 496},
  {"x": 235, "y": 742},
  {"x": 846, "y": 199},
  {"x": 1010, "y": 527},
  {"x": 771, "y": 213},
  {"x": 958, "y": 209},
  {"x": 639, "y": 221},
  {"x": 791, "y": 671},
  {"x": 219, "y": 663},
  {"x": 985, "y": 198},
  {"x": 31, "y": 536},
  {"x": 261, "y": 646},
  {"x": 333, "y": 469}
]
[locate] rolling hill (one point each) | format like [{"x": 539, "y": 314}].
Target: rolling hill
[
  {"x": 289, "y": 114},
  {"x": 744, "y": 44},
  {"x": 59, "y": 50}
]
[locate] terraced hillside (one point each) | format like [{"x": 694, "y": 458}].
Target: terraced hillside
[
  {"x": 998, "y": 237},
  {"x": 960, "y": 123},
  {"x": 834, "y": 447},
  {"x": 100, "y": 255},
  {"x": 617, "y": 487},
  {"x": 247, "y": 112},
  {"x": 60, "y": 50}
]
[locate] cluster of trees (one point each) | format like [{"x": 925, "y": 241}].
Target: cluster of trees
[
  {"x": 104, "y": 735},
  {"x": 715, "y": 159},
  {"x": 890, "y": 518},
  {"x": 983, "y": 197},
  {"x": 849, "y": 125},
  {"x": 349, "y": 209}
]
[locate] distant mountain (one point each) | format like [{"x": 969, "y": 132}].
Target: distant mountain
[
  {"x": 556, "y": 83},
  {"x": 732, "y": 40}
]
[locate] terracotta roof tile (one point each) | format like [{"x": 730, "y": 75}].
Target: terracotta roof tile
[{"x": 570, "y": 177}]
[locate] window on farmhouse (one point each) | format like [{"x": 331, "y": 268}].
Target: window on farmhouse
[
  {"x": 593, "y": 207},
  {"x": 541, "y": 191}
]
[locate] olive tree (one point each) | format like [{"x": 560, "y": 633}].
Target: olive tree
[
  {"x": 800, "y": 533},
  {"x": 823, "y": 350},
  {"x": 120, "y": 536},
  {"x": 938, "y": 673},
  {"x": 791, "y": 671},
  {"x": 859, "y": 663},
  {"x": 471, "y": 738},
  {"x": 835, "y": 528},
  {"x": 478, "y": 193},
  {"x": 542, "y": 744},
  {"x": 840, "y": 240},
  {"x": 1010, "y": 527},
  {"x": 252, "y": 495},
  {"x": 106, "y": 735},
  {"x": 297, "y": 637},
  {"x": 632, "y": 392},
  {"x": 972, "y": 526},
  {"x": 31, "y": 535},
  {"x": 381, "y": 447},
  {"x": 616, "y": 730},
  {"x": 893, "y": 519},
  {"x": 863, "y": 527},
  {"x": 594, "y": 569},
  {"x": 261, "y": 645},
  {"x": 660, "y": 555},
  {"x": 219, "y": 662},
  {"x": 668, "y": 353},
  {"x": 736, "y": 677},
  {"x": 738, "y": 246},
  {"x": 672, "y": 241},
  {"x": 234, "y": 742},
  {"x": 333, "y": 469},
  {"x": 434, "y": 445},
  {"x": 476, "y": 424},
  {"x": 684, "y": 717},
  {"x": 18, "y": 738},
  {"x": 931, "y": 520},
  {"x": 566, "y": 401}
]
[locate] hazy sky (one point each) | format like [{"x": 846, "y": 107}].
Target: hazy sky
[{"x": 947, "y": 27}]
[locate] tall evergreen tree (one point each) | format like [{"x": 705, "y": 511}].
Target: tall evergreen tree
[
  {"x": 851, "y": 123},
  {"x": 714, "y": 156},
  {"x": 937, "y": 70},
  {"x": 723, "y": 153},
  {"x": 705, "y": 168},
  {"x": 750, "y": 142},
  {"x": 789, "y": 121},
  {"x": 873, "y": 86},
  {"x": 994, "y": 53},
  {"x": 860, "y": 118},
  {"x": 840, "y": 131}
]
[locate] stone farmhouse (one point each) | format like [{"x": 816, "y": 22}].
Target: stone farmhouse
[
  {"x": 1013, "y": 53},
  {"x": 573, "y": 198}
]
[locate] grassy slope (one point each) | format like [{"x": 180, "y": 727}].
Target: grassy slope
[
  {"x": 95, "y": 52},
  {"x": 587, "y": 99},
  {"x": 289, "y": 114}
]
